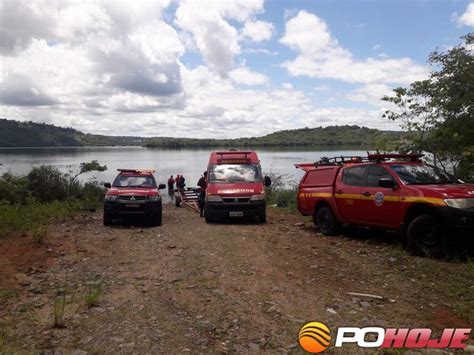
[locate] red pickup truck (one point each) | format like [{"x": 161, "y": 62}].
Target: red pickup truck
[
  {"x": 134, "y": 192},
  {"x": 430, "y": 208}
]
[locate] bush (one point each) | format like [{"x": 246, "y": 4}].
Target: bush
[
  {"x": 282, "y": 191},
  {"x": 27, "y": 202},
  {"x": 13, "y": 188},
  {"x": 48, "y": 184}
]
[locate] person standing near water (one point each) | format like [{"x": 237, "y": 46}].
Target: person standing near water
[
  {"x": 171, "y": 182},
  {"x": 202, "y": 183}
]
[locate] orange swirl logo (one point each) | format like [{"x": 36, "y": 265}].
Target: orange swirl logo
[{"x": 314, "y": 337}]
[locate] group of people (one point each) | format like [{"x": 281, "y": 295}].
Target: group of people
[
  {"x": 202, "y": 183},
  {"x": 180, "y": 182}
]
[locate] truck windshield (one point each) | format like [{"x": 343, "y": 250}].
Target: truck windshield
[
  {"x": 134, "y": 181},
  {"x": 234, "y": 173},
  {"x": 422, "y": 175}
]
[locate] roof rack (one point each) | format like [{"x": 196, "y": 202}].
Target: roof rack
[
  {"x": 340, "y": 160},
  {"x": 142, "y": 171},
  {"x": 378, "y": 157}
]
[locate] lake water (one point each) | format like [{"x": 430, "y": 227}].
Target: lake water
[{"x": 188, "y": 162}]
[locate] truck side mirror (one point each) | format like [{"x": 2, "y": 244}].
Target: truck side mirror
[
  {"x": 107, "y": 185},
  {"x": 387, "y": 183},
  {"x": 267, "y": 181},
  {"x": 161, "y": 186}
]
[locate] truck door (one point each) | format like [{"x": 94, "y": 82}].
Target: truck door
[
  {"x": 347, "y": 193},
  {"x": 380, "y": 205}
]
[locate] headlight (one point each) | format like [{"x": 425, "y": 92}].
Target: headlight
[
  {"x": 110, "y": 197},
  {"x": 214, "y": 198},
  {"x": 258, "y": 197},
  {"x": 460, "y": 202},
  {"x": 153, "y": 198}
]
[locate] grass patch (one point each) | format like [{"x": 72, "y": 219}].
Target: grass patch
[
  {"x": 4, "y": 294},
  {"x": 34, "y": 215},
  {"x": 59, "y": 308},
  {"x": 283, "y": 198},
  {"x": 93, "y": 297},
  {"x": 27, "y": 202}
]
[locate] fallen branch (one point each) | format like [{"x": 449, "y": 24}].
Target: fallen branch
[{"x": 365, "y": 295}]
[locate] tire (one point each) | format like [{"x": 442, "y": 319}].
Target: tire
[
  {"x": 159, "y": 216},
  {"x": 155, "y": 219},
  {"x": 263, "y": 217},
  {"x": 425, "y": 237},
  {"x": 207, "y": 216},
  {"x": 108, "y": 219},
  {"x": 326, "y": 221}
]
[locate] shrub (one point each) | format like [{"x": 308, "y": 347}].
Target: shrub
[
  {"x": 92, "y": 298},
  {"x": 48, "y": 184},
  {"x": 282, "y": 191},
  {"x": 27, "y": 202},
  {"x": 39, "y": 232},
  {"x": 13, "y": 188}
]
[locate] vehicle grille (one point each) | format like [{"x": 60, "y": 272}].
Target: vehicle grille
[
  {"x": 236, "y": 199},
  {"x": 129, "y": 198}
]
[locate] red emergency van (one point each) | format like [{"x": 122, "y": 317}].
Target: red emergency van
[
  {"x": 236, "y": 186},
  {"x": 429, "y": 207}
]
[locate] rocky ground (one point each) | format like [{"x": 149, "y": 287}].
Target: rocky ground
[{"x": 233, "y": 287}]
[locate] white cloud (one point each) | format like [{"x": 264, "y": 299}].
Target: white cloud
[
  {"x": 245, "y": 76},
  {"x": 467, "y": 18},
  {"x": 257, "y": 31},
  {"x": 371, "y": 94},
  {"x": 321, "y": 56},
  {"x": 321, "y": 88},
  {"x": 215, "y": 38},
  {"x": 100, "y": 65}
]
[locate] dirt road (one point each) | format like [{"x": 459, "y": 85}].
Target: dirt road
[{"x": 191, "y": 287}]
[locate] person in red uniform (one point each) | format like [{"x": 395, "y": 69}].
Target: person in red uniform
[
  {"x": 171, "y": 182},
  {"x": 202, "y": 183}
]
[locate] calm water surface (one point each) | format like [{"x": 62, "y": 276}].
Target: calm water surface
[{"x": 188, "y": 162}]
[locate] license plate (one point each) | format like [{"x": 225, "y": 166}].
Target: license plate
[
  {"x": 236, "y": 214},
  {"x": 132, "y": 205}
]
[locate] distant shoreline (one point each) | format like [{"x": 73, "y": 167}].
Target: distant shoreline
[
  {"x": 16, "y": 134},
  {"x": 298, "y": 147}
]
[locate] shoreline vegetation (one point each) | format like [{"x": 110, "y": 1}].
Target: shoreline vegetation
[
  {"x": 30, "y": 134},
  {"x": 28, "y": 202}
]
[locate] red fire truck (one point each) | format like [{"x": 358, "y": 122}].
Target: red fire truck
[
  {"x": 429, "y": 207},
  {"x": 236, "y": 186}
]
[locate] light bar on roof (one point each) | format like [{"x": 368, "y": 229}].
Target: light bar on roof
[{"x": 142, "y": 171}]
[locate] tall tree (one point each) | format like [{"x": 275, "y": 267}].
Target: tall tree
[{"x": 438, "y": 111}]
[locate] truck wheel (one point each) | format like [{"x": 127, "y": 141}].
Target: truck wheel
[
  {"x": 425, "y": 238},
  {"x": 263, "y": 217},
  {"x": 108, "y": 220},
  {"x": 207, "y": 216},
  {"x": 326, "y": 221},
  {"x": 159, "y": 216}
]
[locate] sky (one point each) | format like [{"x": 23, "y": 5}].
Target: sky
[{"x": 216, "y": 69}]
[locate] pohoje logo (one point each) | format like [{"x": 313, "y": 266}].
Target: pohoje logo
[{"x": 315, "y": 337}]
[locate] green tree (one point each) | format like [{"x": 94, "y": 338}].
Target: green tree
[
  {"x": 438, "y": 112},
  {"x": 86, "y": 167}
]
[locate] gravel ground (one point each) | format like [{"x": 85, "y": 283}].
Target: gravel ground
[{"x": 222, "y": 288}]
